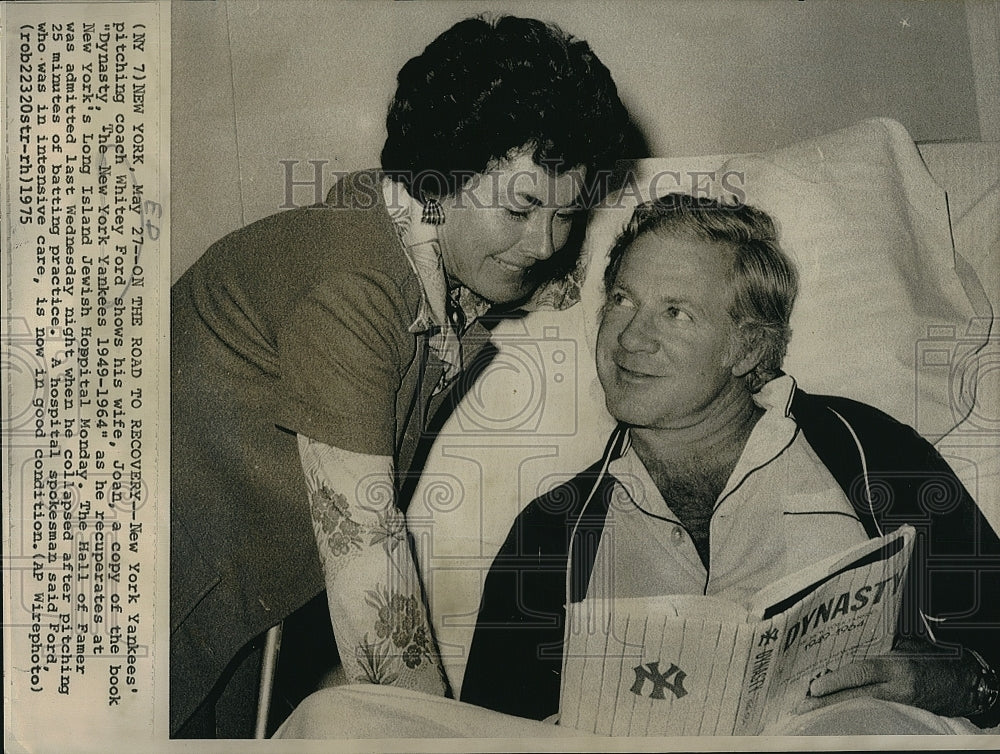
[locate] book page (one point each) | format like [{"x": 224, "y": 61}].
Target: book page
[
  {"x": 795, "y": 586},
  {"x": 649, "y": 674},
  {"x": 690, "y": 664},
  {"x": 849, "y": 616}
]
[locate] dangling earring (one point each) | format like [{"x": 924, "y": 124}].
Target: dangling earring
[{"x": 433, "y": 213}]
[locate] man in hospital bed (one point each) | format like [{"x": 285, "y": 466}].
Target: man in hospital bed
[
  {"x": 722, "y": 476},
  {"x": 868, "y": 230}
]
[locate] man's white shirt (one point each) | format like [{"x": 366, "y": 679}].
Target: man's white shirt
[{"x": 780, "y": 511}]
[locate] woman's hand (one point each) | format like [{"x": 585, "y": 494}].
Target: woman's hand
[{"x": 913, "y": 673}]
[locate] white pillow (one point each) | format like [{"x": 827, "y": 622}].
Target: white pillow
[{"x": 868, "y": 228}]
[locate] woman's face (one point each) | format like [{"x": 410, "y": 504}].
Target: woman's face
[{"x": 501, "y": 223}]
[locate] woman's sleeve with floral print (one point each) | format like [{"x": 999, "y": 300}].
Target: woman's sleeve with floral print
[{"x": 376, "y": 602}]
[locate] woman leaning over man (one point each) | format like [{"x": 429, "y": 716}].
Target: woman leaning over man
[{"x": 311, "y": 350}]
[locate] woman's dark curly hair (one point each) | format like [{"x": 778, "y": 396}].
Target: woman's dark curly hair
[{"x": 487, "y": 87}]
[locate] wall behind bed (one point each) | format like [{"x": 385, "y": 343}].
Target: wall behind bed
[{"x": 258, "y": 82}]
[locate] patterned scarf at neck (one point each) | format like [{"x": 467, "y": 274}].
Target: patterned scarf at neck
[{"x": 445, "y": 314}]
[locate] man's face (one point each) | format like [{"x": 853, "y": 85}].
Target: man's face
[{"x": 665, "y": 350}]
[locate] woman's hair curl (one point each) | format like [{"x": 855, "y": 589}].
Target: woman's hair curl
[{"x": 486, "y": 88}]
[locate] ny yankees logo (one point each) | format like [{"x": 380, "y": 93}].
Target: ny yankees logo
[{"x": 651, "y": 672}]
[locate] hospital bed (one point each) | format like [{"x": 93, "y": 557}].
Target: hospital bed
[{"x": 898, "y": 246}]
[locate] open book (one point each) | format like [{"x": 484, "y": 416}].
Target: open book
[{"x": 696, "y": 665}]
